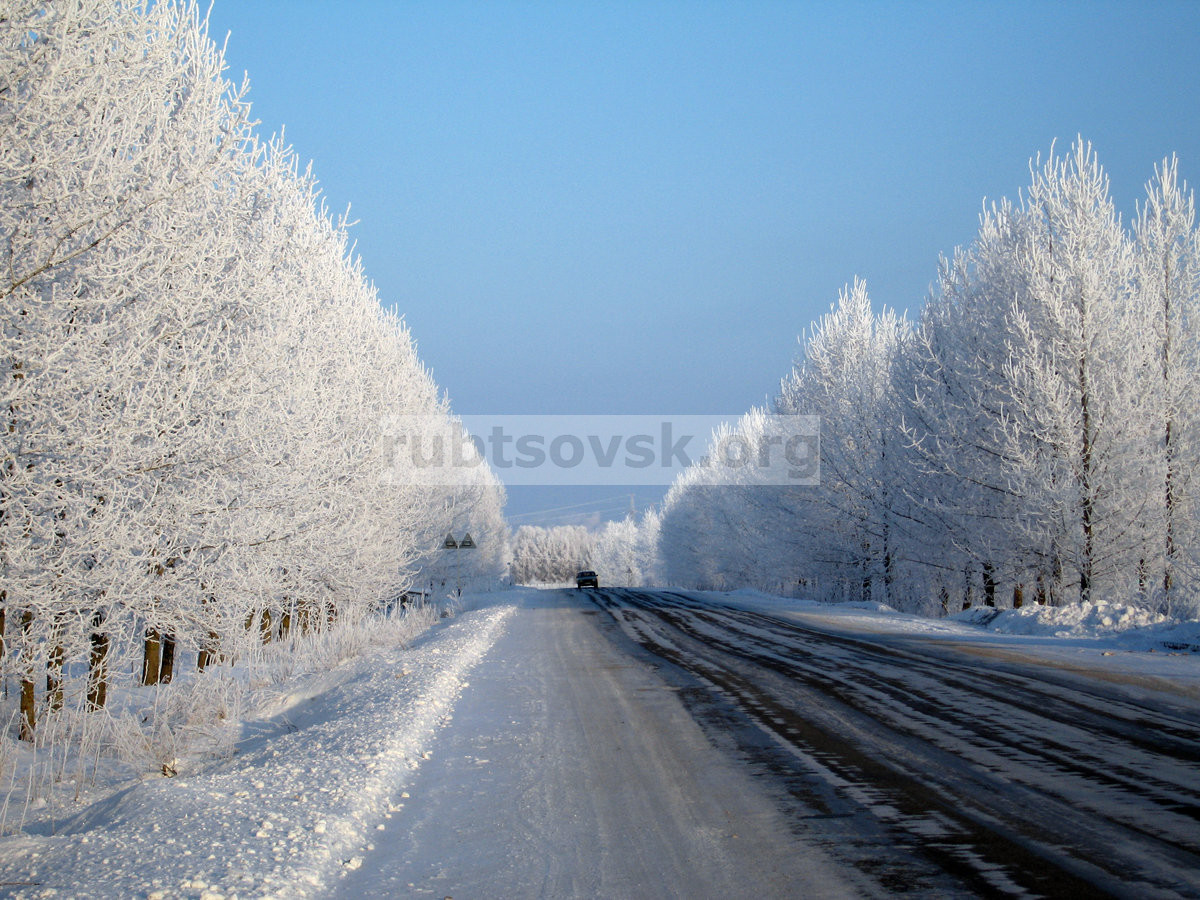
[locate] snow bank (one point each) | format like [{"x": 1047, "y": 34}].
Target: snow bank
[
  {"x": 294, "y": 810},
  {"x": 1077, "y": 620},
  {"x": 1131, "y": 626}
]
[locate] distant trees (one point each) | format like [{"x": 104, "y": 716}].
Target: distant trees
[
  {"x": 625, "y": 552},
  {"x": 1031, "y": 438},
  {"x": 193, "y": 369},
  {"x": 550, "y": 555}
]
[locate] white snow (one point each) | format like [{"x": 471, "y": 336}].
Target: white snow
[
  {"x": 296, "y": 807},
  {"x": 1122, "y": 625},
  {"x": 342, "y": 762}
]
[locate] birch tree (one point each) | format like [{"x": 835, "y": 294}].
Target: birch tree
[
  {"x": 845, "y": 377},
  {"x": 1027, "y": 378},
  {"x": 1168, "y": 291}
]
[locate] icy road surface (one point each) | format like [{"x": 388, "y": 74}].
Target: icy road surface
[
  {"x": 573, "y": 770},
  {"x": 939, "y": 767}
]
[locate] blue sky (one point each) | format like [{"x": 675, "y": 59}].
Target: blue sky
[{"x": 637, "y": 207}]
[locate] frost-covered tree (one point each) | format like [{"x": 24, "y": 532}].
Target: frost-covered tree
[
  {"x": 550, "y": 555},
  {"x": 1076, "y": 361},
  {"x": 193, "y": 369},
  {"x": 845, "y": 377},
  {"x": 841, "y": 536},
  {"x": 689, "y": 538},
  {"x": 1026, "y": 379},
  {"x": 624, "y": 551},
  {"x": 1167, "y": 264},
  {"x": 1032, "y": 438},
  {"x": 117, "y": 133}
]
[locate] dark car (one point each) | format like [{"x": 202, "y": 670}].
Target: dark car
[{"x": 586, "y": 578}]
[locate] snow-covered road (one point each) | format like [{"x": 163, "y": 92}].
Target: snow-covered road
[
  {"x": 943, "y": 767},
  {"x": 573, "y": 770},
  {"x": 631, "y": 744}
]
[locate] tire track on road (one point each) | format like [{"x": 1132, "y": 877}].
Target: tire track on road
[{"x": 965, "y": 765}]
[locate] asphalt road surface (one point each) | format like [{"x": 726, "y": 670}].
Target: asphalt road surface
[{"x": 940, "y": 770}]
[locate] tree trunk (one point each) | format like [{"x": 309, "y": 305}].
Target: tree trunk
[
  {"x": 28, "y": 697},
  {"x": 1172, "y": 501},
  {"x": 1171, "y": 498},
  {"x": 167, "y": 669},
  {"x": 54, "y": 688},
  {"x": 151, "y": 657},
  {"x": 309, "y": 615},
  {"x": 208, "y": 652},
  {"x": 97, "y": 692},
  {"x": 865, "y": 596},
  {"x": 1056, "y": 589},
  {"x": 285, "y": 621},
  {"x": 1087, "y": 500},
  {"x": 54, "y": 666},
  {"x": 1018, "y": 596},
  {"x": 28, "y": 709},
  {"x": 889, "y": 579},
  {"x": 989, "y": 585}
]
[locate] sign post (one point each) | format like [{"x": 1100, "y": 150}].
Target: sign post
[{"x": 467, "y": 543}]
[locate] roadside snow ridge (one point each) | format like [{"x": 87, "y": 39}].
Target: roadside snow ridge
[{"x": 288, "y": 818}]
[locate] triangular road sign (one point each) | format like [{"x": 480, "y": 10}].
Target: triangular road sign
[
  {"x": 466, "y": 543},
  {"x": 449, "y": 543}
]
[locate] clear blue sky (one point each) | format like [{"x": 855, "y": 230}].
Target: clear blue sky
[{"x": 637, "y": 207}]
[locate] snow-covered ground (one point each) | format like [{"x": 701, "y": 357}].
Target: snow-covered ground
[
  {"x": 320, "y": 773},
  {"x": 316, "y": 800},
  {"x": 574, "y": 771}
]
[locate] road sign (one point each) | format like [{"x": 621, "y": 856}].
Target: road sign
[
  {"x": 450, "y": 543},
  {"x": 466, "y": 543}
]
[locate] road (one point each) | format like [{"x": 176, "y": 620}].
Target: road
[
  {"x": 572, "y": 769},
  {"x": 629, "y": 744},
  {"x": 935, "y": 770}
]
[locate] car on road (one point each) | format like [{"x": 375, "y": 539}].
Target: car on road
[{"x": 586, "y": 578}]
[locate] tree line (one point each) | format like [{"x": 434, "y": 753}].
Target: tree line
[
  {"x": 1031, "y": 437},
  {"x": 194, "y": 371}
]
